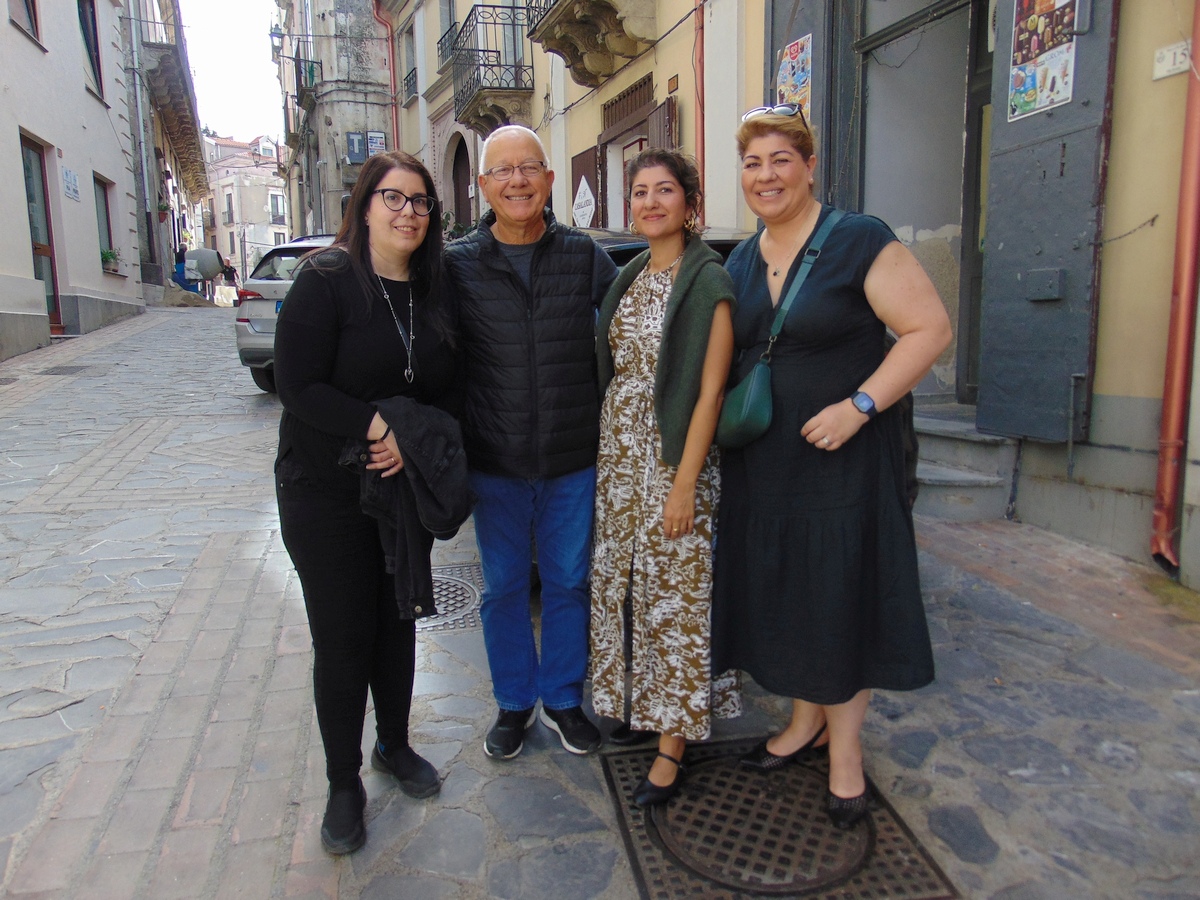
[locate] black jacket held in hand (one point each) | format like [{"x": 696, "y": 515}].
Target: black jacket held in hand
[
  {"x": 532, "y": 402},
  {"x": 430, "y": 499}
]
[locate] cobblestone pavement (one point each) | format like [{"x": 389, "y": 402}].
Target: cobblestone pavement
[{"x": 156, "y": 724}]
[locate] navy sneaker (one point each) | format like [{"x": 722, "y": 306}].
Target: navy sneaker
[
  {"x": 577, "y": 734},
  {"x": 507, "y": 736}
]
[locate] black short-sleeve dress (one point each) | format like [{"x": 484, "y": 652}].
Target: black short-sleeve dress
[{"x": 816, "y": 590}]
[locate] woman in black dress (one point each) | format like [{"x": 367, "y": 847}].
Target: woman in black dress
[
  {"x": 816, "y": 593},
  {"x": 365, "y": 321}
]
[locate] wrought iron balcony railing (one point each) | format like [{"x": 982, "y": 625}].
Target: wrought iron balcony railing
[
  {"x": 446, "y": 45},
  {"x": 410, "y": 85},
  {"x": 490, "y": 59},
  {"x": 308, "y": 74},
  {"x": 537, "y": 10}
]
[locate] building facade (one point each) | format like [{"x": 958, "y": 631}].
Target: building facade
[
  {"x": 1006, "y": 143},
  {"x": 247, "y": 212},
  {"x": 72, "y": 263},
  {"x": 334, "y": 67},
  {"x": 170, "y": 181}
]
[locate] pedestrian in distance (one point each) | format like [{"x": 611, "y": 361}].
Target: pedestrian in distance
[
  {"x": 365, "y": 325},
  {"x": 817, "y": 594},
  {"x": 526, "y": 289},
  {"x": 665, "y": 341}
]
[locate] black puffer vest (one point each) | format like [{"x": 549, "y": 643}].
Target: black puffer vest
[{"x": 532, "y": 403}]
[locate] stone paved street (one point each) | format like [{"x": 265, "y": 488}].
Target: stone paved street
[{"x": 157, "y": 736}]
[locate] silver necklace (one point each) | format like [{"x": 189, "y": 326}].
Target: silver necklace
[
  {"x": 408, "y": 340},
  {"x": 668, "y": 268}
]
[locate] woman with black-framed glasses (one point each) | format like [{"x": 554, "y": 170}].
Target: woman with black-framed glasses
[
  {"x": 816, "y": 590},
  {"x": 363, "y": 329}
]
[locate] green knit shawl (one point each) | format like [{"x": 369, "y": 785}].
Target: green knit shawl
[{"x": 699, "y": 286}]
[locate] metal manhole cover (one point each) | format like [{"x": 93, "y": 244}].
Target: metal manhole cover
[
  {"x": 456, "y": 594},
  {"x": 732, "y": 835},
  {"x": 770, "y": 835},
  {"x": 67, "y": 370}
]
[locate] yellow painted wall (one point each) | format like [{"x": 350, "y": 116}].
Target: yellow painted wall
[{"x": 1143, "y": 182}]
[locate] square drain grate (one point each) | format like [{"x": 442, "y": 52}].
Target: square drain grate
[
  {"x": 733, "y": 832},
  {"x": 456, "y": 594}
]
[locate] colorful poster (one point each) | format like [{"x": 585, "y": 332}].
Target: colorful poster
[
  {"x": 1043, "y": 56},
  {"x": 794, "y": 83}
]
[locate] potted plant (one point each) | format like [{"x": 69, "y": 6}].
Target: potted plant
[
  {"x": 110, "y": 260},
  {"x": 163, "y": 208}
]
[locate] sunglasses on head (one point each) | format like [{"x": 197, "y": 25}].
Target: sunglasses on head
[{"x": 783, "y": 109}]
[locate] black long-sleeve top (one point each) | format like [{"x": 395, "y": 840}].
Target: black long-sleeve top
[{"x": 336, "y": 352}]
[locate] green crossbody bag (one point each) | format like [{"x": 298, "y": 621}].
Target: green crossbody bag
[{"x": 746, "y": 412}]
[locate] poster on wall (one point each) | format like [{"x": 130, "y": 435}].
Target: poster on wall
[
  {"x": 376, "y": 142},
  {"x": 794, "y": 82},
  {"x": 1043, "y": 56}
]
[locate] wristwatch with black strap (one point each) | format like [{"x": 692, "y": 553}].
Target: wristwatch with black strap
[{"x": 864, "y": 404}]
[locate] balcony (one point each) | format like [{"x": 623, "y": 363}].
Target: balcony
[
  {"x": 493, "y": 85},
  {"x": 278, "y": 219},
  {"x": 594, "y": 37},
  {"x": 168, "y": 79},
  {"x": 446, "y": 46},
  {"x": 227, "y": 217},
  {"x": 291, "y": 122},
  {"x": 410, "y": 85},
  {"x": 308, "y": 74}
]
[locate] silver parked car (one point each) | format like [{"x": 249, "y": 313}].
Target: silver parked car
[{"x": 259, "y": 299}]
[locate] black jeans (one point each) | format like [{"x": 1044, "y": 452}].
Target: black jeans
[{"x": 359, "y": 639}]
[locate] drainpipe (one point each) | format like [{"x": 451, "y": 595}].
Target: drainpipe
[
  {"x": 1180, "y": 336},
  {"x": 699, "y": 117},
  {"x": 391, "y": 73}
]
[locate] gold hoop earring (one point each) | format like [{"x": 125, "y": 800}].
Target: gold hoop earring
[
  {"x": 689, "y": 224},
  {"x": 633, "y": 228}
]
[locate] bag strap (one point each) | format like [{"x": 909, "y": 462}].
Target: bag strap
[{"x": 810, "y": 258}]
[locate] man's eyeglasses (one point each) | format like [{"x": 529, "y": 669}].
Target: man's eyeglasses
[
  {"x": 528, "y": 169},
  {"x": 783, "y": 109},
  {"x": 394, "y": 200}
]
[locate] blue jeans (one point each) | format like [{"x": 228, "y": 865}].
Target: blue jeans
[{"x": 510, "y": 514}]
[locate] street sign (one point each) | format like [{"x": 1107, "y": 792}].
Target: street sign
[{"x": 584, "y": 207}]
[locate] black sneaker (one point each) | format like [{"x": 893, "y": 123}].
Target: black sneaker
[
  {"x": 577, "y": 734},
  {"x": 342, "y": 829},
  {"x": 507, "y": 736},
  {"x": 417, "y": 776}
]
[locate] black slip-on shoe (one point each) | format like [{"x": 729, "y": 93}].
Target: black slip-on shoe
[
  {"x": 417, "y": 776},
  {"x": 342, "y": 829}
]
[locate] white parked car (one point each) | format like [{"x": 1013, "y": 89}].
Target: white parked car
[{"x": 259, "y": 299}]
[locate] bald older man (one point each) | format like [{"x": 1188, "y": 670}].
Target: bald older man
[{"x": 527, "y": 289}]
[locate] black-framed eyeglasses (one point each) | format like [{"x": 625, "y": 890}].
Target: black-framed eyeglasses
[
  {"x": 531, "y": 169},
  {"x": 782, "y": 109},
  {"x": 394, "y": 200}
]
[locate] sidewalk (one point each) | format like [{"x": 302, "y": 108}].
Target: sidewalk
[{"x": 156, "y": 726}]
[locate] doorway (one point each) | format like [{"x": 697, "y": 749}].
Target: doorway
[
  {"x": 926, "y": 71},
  {"x": 37, "y": 200},
  {"x": 461, "y": 175}
]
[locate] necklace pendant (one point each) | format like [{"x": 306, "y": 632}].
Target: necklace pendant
[{"x": 408, "y": 375}]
